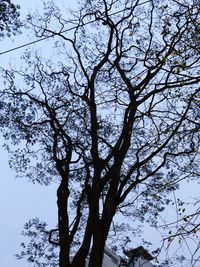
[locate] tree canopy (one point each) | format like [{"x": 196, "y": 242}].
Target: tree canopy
[
  {"x": 114, "y": 119},
  {"x": 9, "y": 18}
]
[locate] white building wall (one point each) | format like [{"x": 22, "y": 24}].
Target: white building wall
[
  {"x": 107, "y": 262},
  {"x": 110, "y": 259},
  {"x": 141, "y": 262}
]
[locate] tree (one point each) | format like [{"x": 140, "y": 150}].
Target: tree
[
  {"x": 9, "y": 18},
  {"x": 114, "y": 120}
]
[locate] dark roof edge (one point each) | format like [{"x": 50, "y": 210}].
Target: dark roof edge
[{"x": 140, "y": 251}]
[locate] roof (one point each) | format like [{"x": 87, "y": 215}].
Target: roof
[{"x": 140, "y": 251}]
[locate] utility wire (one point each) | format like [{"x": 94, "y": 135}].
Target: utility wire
[
  {"x": 54, "y": 34},
  {"x": 24, "y": 45}
]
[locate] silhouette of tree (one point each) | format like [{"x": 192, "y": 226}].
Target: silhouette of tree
[{"x": 114, "y": 118}]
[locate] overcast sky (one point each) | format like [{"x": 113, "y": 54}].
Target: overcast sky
[{"x": 21, "y": 200}]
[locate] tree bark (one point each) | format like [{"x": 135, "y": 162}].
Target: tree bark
[{"x": 63, "y": 224}]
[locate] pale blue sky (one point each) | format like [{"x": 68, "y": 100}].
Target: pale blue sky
[{"x": 19, "y": 202}]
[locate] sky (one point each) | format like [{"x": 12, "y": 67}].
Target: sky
[{"x": 20, "y": 200}]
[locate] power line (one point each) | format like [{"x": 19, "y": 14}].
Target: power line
[{"x": 24, "y": 45}]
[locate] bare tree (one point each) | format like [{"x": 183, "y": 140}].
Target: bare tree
[{"x": 113, "y": 119}]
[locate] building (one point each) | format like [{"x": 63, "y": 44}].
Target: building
[
  {"x": 137, "y": 257},
  {"x": 110, "y": 259}
]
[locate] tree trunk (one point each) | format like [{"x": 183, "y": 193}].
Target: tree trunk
[
  {"x": 63, "y": 225},
  {"x": 97, "y": 252},
  {"x": 100, "y": 235}
]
